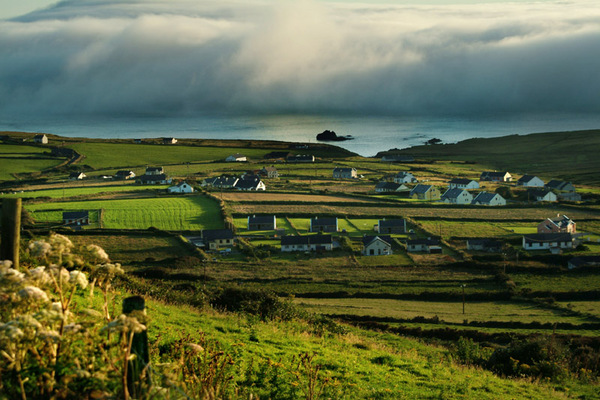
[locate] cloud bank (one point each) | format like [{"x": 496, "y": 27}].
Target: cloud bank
[{"x": 182, "y": 57}]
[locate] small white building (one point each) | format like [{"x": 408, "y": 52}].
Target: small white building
[
  {"x": 463, "y": 183},
  {"x": 404, "y": 177},
  {"x": 549, "y": 241},
  {"x": 344, "y": 173},
  {"x": 541, "y": 195},
  {"x": 377, "y": 245},
  {"x": 43, "y": 139},
  {"x": 237, "y": 157},
  {"x": 457, "y": 196},
  {"x": 489, "y": 199},
  {"x": 530, "y": 181},
  {"x": 181, "y": 187}
]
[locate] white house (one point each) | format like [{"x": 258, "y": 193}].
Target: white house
[
  {"x": 77, "y": 176},
  {"x": 541, "y": 195},
  {"x": 390, "y": 187},
  {"x": 549, "y": 241},
  {"x": 377, "y": 245},
  {"x": 428, "y": 245},
  {"x": 489, "y": 199},
  {"x": 237, "y": 157},
  {"x": 43, "y": 139},
  {"x": 404, "y": 177},
  {"x": 495, "y": 176},
  {"x": 457, "y": 196},
  {"x": 181, "y": 187},
  {"x": 344, "y": 173},
  {"x": 463, "y": 183},
  {"x": 530, "y": 181},
  {"x": 306, "y": 243}
]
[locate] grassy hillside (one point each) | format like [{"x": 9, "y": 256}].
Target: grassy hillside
[{"x": 571, "y": 156}]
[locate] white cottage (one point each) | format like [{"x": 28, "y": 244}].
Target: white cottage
[{"x": 181, "y": 187}]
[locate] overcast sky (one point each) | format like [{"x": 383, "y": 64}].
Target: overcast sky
[{"x": 169, "y": 57}]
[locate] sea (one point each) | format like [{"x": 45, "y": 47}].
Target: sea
[{"x": 371, "y": 134}]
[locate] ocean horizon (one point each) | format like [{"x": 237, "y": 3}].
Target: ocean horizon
[{"x": 371, "y": 134}]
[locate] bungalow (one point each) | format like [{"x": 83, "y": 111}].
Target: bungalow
[
  {"x": 562, "y": 224},
  {"x": 530, "y": 181},
  {"x": 463, "y": 183},
  {"x": 487, "y": 245},
  {"x": 549, "y": 241},
  {"x": 326, "y": 224},
  {"x": 215, "y": 238},
  {"x": 250, "y": 182},
  {"x": 302, "y": 158},
  {"x": 307, "y": 243},
  {"x": 76, "y": 218},
  {"x": 489, "y": 199},
  {"x": 77, "y": 176},
  {"x": 457, "y": 196},
  {"x": 181, "y": 187},
  {"x": 376, "y": 245},
  {"x": 237, "y": 157},
  {"x": 124, "y": 175},
  {"x": 154, "y": 171},
  {"x": 344, "y": 173},
  {"x": 43, "y": 139},
  {"x": 269, "y": 172},
  {"x": 564, "y": 190},
  {"x": 404, "y": 177},
  {"x": 390, "y": 187},
  {"x": 169, "y": 140},
  {"x": 584, "y": 261},
  {"x": 390, "y": 226},
  {"x": 425, "y": 192},
  {"x": 262, "y": 223},
  {"x": 541, "y": 195},
  {"x": 153, "y": 179},
  {"x": 428, "y": 245},
  {"x": 397, "y": 158},
  {"x": 495, "y": 176}
]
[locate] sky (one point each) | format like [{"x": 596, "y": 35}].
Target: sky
[{"x": 182, "y": 57}]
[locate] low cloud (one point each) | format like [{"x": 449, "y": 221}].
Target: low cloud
[{"x": 160, "y": 57}]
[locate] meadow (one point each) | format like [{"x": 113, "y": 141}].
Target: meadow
[{"x": 69, "y": 191}]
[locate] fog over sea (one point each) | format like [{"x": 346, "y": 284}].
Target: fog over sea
[{"x": 371, "y": 133}]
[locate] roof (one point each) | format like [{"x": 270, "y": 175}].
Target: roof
[
  {"x": 39, "y": 136},
  {"x": 367, "y": 240},
  {"x": 269, "y": 169},
  {"x": 151, "y": 169},
  {"x": 180, "y": 184},
  {"x": 306, "y": 240},
  {"x": 558, "y": 185},
  {"x": 402, "y": 174},
  {"x": 215, "y": 234},
  {"x": 420, "y": 188},
  {"x": 301, "y": 157},
  {"x": 527, "y": 178},
  {"x": 388, "y": 185},
  {"x": 561, "y": 221},
  {"x": 261, "y": 219},
  {"x": 323, "y": 221},
  {"x": 538, "y": 192},
  {"x": 425, "y": 241},
  {"x": 461, "y": 181},
  {"x": 343, "y": 169},
  {"x": 548, "y": 237},
  {"x": 75, "y": 214},
  {"x": 247, "y": 183},
  {"x": 237, "y": 155},
  {"x": 152, "y": 178},
  {"x": 452, "y": 193},
  {"x": 494, "y": 174},
  {"x": 485, "y": 197},
  {"x": 124, "y": 173},
  {"x": 390, "y": 223},
  {"x": 75, "y": 174}
]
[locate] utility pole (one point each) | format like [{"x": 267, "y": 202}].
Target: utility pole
[
  {"x": 463, "y": 296},
  {"x": 11, "y": 230}
]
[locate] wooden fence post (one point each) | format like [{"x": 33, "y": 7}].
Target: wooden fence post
[
  {"x": 138, "y": 374},
  {"x": 11, "y": 230}
]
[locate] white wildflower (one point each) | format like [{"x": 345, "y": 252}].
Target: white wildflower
[
  {"x": 59, "y": 273},
  {"x": 60, "y": 243},
  {"x": 78, "y": 278},
  {"x": 97, "y": 253},
  {"x": 125, "y": 324},
  {"x": 33, "y": 293},
  {"x": 5, "y": 264},
  {"x": 27, "y": 322},
  {"x": 51, "y": 336},
  {"x": 73, "y": 328},
  {"x": 90, "y": 312},
  {"x": 12, "y": 275},
  {"x": 196, "y": 348},
  {"x": 40, "y": 275},
  {"x": 12, "y": 332},
  {"x": 40, "y": 248}
]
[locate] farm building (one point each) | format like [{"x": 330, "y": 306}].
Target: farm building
[
  {"x": 237, "y": 157},
  {"x": 530, "y": 181},
  {"x": 344, "y": 173},
  {"x": 302, "y": 158},
  {"x": 390, "y": 226},
  {"x": 541, "y": 195},
  {"x": 77, "y": 176},
  {"x": 43, "y": 139},
  {"x": 324, "y": 224},
  {"x": 269, "y": 172},
  {"x": 457, "y": 196},
  {"x": 562, "y": 224},
  {"x": 584, "y": 261},
  {"x": 494, "y": 176},
  {"x": 463, "y": 183},
  {"x": 124, "y": 175},
  {"x": 306, "y": 243},
  {"x": 76, "y": 218},
  {"x": 487, "y": 245},
  {"x": 489, "y": 199},
  {"x": 262, "y": 223},
  {"x": 213, "y": 239},
  {"x": 549, "y": 241},
  {"x": 169, "y": 140},
  {"x": 425, "y": 192},
  {"x": 427, "y": 245},
  {"x": 404, "y": 177},
  {"x": 181, "y": 187},
  {"x": 390, "y": 187},
  {"x": 377, "y": 245}
]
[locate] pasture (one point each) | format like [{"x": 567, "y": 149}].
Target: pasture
[
  {"x": 18, "y": 160},
  {"x": 68, "y": 192}
]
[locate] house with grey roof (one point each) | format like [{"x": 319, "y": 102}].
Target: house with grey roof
[
  {"x": 237, "y": 157},
  {"x": 42, "y": 139},
  {"x": 457, "y": 196},
  {"x": 324, "y": 224},
  {"x": 181, "y": 187},
  {"x": 292, "y": 243},
  {"x": 495, "y": 176},
  {"x": 485, "y": 244},
  {"x": 488, "y": 199},
  {"x": 463, "y": 183},
  {"x": 390, "y": 226},
  {"x": 344, "y": 173},
  {"x": 377, "y": 245},
  {"x": 262, "y": 222},
  {"x": 390, "y": 187},
  {"x": 124, "y": 175},
  {"x": 557, "y": 224},
  {"x": 76, "y": 218},
  {"x": 549, "y": 241},
  {"x": 530, "y": 181},
  {"x": 404, "y": 177},
  {"x": 425, "y": 192},
  {"x": 426, "y": 245},
  {"x": 564, "y": 190},
  {"x": 300, "y": 158},
  {"x": 541, "y": 195}
]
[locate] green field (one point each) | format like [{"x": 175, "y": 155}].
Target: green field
[
  {"x": 22, "y": 159},
  {"x": 68, "y": 192},
  {"x": 168, "y": 213}
]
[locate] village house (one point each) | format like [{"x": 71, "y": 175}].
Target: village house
[
  {"x": 213, "y": 239},
  {"x": 301, "y": 158},
  {"x": 549, "y": 241},
  {"x": 390, "y": 226},
  {"x": 486, "y": 245},
  {"x": 154, "y": 171},
  {"x": 584, "y": 261},
  {"x": 344, "y": 173},
  {"x": 181, "y": 187},
  {"x": 324, "y": 224},
  {"x": 562, "y": 224},
  {"x": 42, "y": 139},
  {"x": 404, "y": 177},
  {"x": 425, "y": 192},
  {"x": 457, "y": 196},
  {"x": 489, "y": 199},
  {"x": 390, "y": 187},
  {"x": 494, "y": 176},
  {"x": 530, "y": 181},
  {"x": 376, "y": 245},
  {"x": 564, "y": 190},
  {"x": 541, "y": 195},
  {"x": 124, "y": 175},
  {"x": 426, "y": 245},
  {"x": 77, "y": 176},
  {"x": 250, "y": 182},
  {"x": 237, "y": 157},
  {"x": 220, "y": 182},
  {"x": 76, "y": 218},
  {"x": 463, "y": 183},
  {"x": 269, "y": 172},
  {"x": 153, "y": 178},
  {"x": 262, "y": 223},
  {"x": 306, "y": 243},
  {"x": 169, "y": 140}
]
